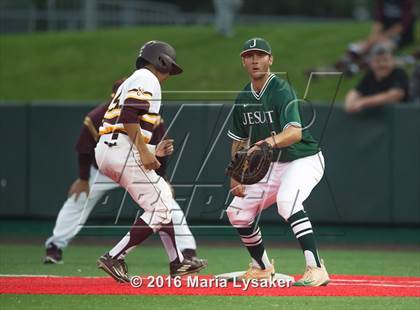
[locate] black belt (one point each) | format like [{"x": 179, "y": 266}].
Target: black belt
[{"x": 114, "y": 137}]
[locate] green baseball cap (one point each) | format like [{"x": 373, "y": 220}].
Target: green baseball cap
[{"x": 256, "y": 44}]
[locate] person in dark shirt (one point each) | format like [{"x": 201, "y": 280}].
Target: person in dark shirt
[
  {"x": 393, "y": 26},
  {"x": 383, "y": 84},
  {"x": 91, "y": 185}
]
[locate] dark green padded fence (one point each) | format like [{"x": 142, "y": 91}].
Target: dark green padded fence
[{"x": 372, "y": 163}]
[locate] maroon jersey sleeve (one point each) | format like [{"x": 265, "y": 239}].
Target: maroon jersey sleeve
[
  {"x": 136, "y": 103},
  {"x": 86, "y": 142}
]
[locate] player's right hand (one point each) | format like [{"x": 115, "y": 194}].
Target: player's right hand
[
  {"x": 79, "y": 186},
  {"x": 237, "y": 188},
  {"x": 149, "y": 161},
  {"x": 165, "y": 148}
]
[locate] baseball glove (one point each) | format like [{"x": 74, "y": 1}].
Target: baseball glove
[{"x": 251, "y": 168}]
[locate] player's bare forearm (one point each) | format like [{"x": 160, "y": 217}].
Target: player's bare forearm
[
  {"x": 351, "y": 97},
  {"x": 388, "y": 97},
  {"x": 377, "y": 28},
  {"x": 237, "y": 188},
  {"x": 133, "y": 131},
  {"x": 288, "y": 136},
  {"x": 148, "y": 159},
  {"x": 394, "y": 30},
  {"x": 237, "y": 145}
]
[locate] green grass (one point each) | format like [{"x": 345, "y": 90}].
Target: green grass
[
  {"x": 80, "y": 260},
  {"x": 151, "y": 259},
  {"x": 36, "y": 302},
  {"x": 83, "y": 65}
]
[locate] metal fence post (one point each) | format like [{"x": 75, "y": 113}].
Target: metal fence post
[
  {"x": 51, "y": 16},
  {"x": 91, "y": 20}
]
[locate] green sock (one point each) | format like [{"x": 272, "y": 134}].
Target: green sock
[{"x": 302, "y": 228}]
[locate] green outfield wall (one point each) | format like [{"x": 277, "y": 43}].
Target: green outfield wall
[{"x": 372, "y": 162}]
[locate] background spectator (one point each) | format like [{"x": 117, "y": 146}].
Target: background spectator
[
  {"x": 393, "y": 27},
  {"x": 225, "y": 11},
  {"x": 383, "y": 84}
]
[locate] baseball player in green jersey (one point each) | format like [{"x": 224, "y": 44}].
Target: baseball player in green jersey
[{"x": 267, "y": 111}]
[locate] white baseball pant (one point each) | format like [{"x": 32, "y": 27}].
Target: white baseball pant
[
  {"x": 289, "y": 184},
  {"x": 74, "y": 214}
]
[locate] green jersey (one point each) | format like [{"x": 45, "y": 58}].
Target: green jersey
[{"x": 257, "y": 115}]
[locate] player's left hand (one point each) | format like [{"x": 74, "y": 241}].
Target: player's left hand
[
  {"x": 79, "y": 186},
  {"x": 252, "y": 150},
  {"x": 165, "y": 148},
  {"x": 256, "y": 147}
]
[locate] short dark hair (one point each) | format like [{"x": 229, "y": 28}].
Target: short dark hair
[{"x": 141, "y": 63}]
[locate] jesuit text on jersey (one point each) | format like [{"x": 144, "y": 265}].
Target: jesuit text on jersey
[{"x": 257, "y": 117}]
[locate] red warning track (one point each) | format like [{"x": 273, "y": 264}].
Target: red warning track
[{"x": 341, "y": 285}]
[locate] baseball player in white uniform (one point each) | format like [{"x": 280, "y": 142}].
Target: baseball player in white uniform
[
  {"x": 123, "y": 156},
  {"x": 91, "y": 186}
]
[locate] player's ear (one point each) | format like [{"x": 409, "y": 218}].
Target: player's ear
[
  {"x": 243, "y": 61},
  {"x": 270, "y": 60}
]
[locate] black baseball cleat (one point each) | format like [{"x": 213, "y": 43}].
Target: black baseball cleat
[
  {"x": 187, "y": 266},
  {"x": 116, "y": 268},
  {"x": 53, "y": 255},
  {"x": 123, "y": 265},
  {"x": 191, "y": 254}
]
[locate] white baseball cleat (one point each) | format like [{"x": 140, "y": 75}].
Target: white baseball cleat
[
  {"x": 258, "y": 273},
  {"x": 314, "y": 276}
]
